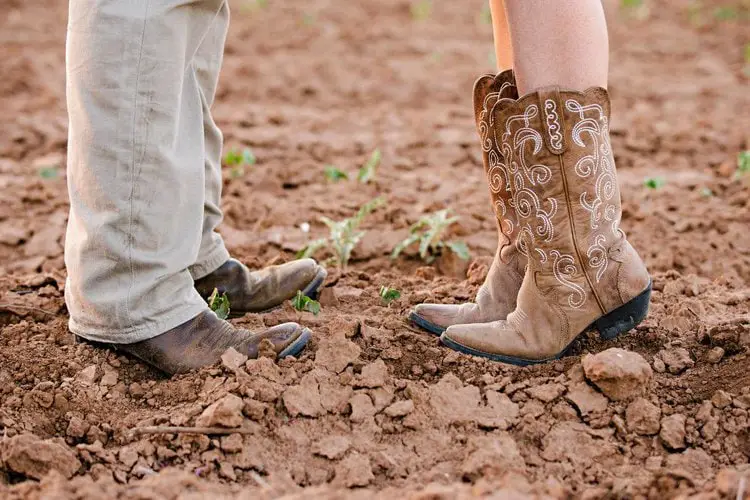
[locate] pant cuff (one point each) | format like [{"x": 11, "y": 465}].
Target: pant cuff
[
  {"x": 210, "y": 263},
  {"x": 153, "y": 327}
]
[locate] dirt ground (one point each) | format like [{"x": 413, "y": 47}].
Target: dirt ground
[{"x": 375, "y": 408}]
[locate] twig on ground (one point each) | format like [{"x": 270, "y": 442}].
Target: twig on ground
[
  {"x": 28, "y": 308},
  {"x": 166, "y": 429}
]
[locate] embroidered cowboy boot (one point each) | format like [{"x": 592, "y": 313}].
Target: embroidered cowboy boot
[
  {"x": 497, "y": 295},
  {"x": 582, "y": 272}
]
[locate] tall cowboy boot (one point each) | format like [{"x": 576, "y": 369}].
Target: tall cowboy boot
[
  {"x": 581, "y": 272},
  {"x": 497, "y": 295}
]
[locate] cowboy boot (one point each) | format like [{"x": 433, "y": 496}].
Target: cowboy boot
[
  {"x": 262, "y": 290},
  {"x": 582, "y": 272},
  {"x": 202, "y": 340},
  {"x": 497, "y": 295}
]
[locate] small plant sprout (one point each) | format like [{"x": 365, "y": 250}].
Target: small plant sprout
[
  {"x": 237, "y": 161},
  {"x": 333, "y": 174},
  {"x": 344, "y": 235},
  {"x": 421, "y": 9},
  {"x": 48, "y": 172},
  {"x": 302, "y": 302},
  {"x": 389, "y": 294},
  {"x": 743, "y": 164},
  {"x": 428, "y": 232},
  {"x": 654, "y": 182},
  {"x": 367, "y": 171},
  {"x": 219, "y": 304}
]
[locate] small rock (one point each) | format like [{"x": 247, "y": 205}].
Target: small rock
[
  {"x": 227, "y": 471},
  {"x": 128, "y": 456},
  {"x": 29, "y": 456},
  {"x": 304, "y": 399},
  {"x": 710, "y": 429},
  {"x": 547, "y": 392},
  {"x": 673, "y": 431},
  {"x": 231, "y": 443},
  {"x": 88, "y": 375},
  {"x": 227, "y": 412},
  {"x": 231, "y": 359},
  {"x": 653, "y": 464},
  {"x": 400, "y": 409},
  {"x": 715, "y": 355},
  {"x": 332, "y": 447},
  {"x": 721, "y": 399},
  {"x": 618, "y": 373},
  {"x": 355, "y": 470},
  {"x": 109, "y": 379},
  {"x": 336, "y": 354},
  {"x": 491, "y": 455},
  {"x": 77, "y": 428},
  {"x": 659, "y": 366},
  {"x": 643, "y": 417},
  {"x": 362, "y": 407},
  {"x": 677, "y": 359},
  {"x": 373, "y": 375},
  {"x": 254, "y": 410},
  {"x": 693, "y": 463},
  {"x": 586, "y": 399}
]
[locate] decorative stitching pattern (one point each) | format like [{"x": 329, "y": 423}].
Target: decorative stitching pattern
[
  {"x": 598, "y": 258},
  {"x": 553, "y": 124},
  {"x": 564, "y": 268}
]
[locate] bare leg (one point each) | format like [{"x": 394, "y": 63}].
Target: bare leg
[
  {"x": 558, "y": 43},
  {"x": 503, "y": 47}
]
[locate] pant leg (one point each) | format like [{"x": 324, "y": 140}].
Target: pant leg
[
  {"x": 212, "y": 253},
  {"x": 136, "y": 175}
]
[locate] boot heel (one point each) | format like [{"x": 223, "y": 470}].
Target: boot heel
[{"x": 625, "y": 317}]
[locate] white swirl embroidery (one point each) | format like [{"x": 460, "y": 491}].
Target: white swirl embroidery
[
  {"x": 553, "y": 124},
  {"x": 564, "y": 269},
  {"x": 597, "y": 254}
]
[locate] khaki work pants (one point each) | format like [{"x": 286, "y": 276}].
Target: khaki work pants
[{"x": 144, "y": 163}]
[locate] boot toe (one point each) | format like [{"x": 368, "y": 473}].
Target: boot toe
[
  {"x": 435, "y": 318},
  {"x": 304, "y": 275},
  {"x": 287, "y": 339}
]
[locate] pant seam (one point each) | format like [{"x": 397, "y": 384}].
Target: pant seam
[{"x": 215, "y": 259}]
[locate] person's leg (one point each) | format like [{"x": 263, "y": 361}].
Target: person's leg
[
  {"x": 558, "y": 43},
  {"x": 581, "y": 271},
  {"x": 501, "y": 35}
]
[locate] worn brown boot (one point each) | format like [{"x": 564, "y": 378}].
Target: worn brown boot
[
  {"x": 258, "y": 291},
  {"x": 582, "y": 272},
  {"x": 202, "y": 340},
  {"x": 497, "y": 295}
]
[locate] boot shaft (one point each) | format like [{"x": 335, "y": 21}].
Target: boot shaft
[{"x": 565, "y": 195}]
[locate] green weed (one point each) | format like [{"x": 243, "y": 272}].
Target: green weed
[
  {"x": 48, "y": 172},
  {"x": 389, "y": 294},
  {"x": 344, "y": 235},
  {"x": 238, "y": 160},
  {"x": 428, "y": 232},
  {"x": 219, "y": 304},
  {"x": 302, "y": 302},
  {"x": 743, "y": 164},
  {"x": 333, "y": 174},
  {"x": 367, "y": 171},
  {"x": 654, "y": 182}
]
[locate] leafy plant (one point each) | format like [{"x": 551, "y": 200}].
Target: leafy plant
[
  {"x": 421, "y": 9},
  {"x": 743, "y": 163},
  {"x": 344, "y": 235},
  {"x": 654, "y": 182},
  {"x": 237, "y": 161},
  {"x": 367, "y": 171},
  {"x": 389, "y": 294},
  {"x": 302, "y": 302},
  {"x": 428, "y": 232},
  {"x": 333, "y": 174},
  {"x": 219, "y": 304}
]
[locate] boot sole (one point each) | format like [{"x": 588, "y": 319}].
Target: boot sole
[
  {"x": 621, "y": 320},
  {"x": 298, "y": 345},
  {"x": 425, "y": 325},
  {"x": 311, "y": 290}
]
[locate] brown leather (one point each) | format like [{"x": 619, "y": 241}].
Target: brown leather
[
  {"x": 258, "y": 291},
  {"x": 202, "y": 340},
  {"x": 497, "y": 295},
  {"x": 567, "y": 200}
]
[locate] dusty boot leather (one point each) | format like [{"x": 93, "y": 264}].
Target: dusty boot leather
[
  {"x": 258, "y": 291},
  {"x": 202, "y": 340},
  {"x": 581, "y": 272},
  {"x": 497, "y": 295}
]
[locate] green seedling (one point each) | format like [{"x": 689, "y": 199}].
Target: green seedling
[
  {"x": 428, "y": 232},
  {"x": 344, "y": 235},
  {"x": 219, "y": 304},
  {"x": 237, "y": 161},
  {"x": 367, "y": 171},
  {"x": 743, "y": 164},
  {"x": 334, "y": 174},
  {"x": 421, "y": 9},
  {"x": 389, "y": 294},
  {"x": 48, "y": 172},
  {"x": 654, "y": 182},
  {"x": 302, "y": 302}
]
